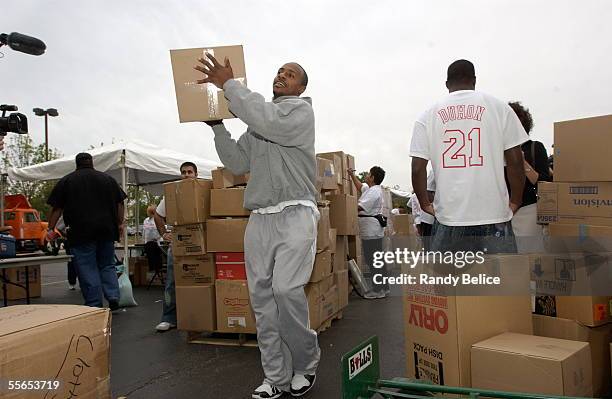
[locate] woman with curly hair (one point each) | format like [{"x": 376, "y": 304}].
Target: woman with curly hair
[{"x": 524, "y": 222}]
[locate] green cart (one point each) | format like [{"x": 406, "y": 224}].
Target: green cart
[{"x": 361, "y": 380}]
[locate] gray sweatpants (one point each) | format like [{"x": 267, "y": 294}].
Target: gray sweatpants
[{"x": 279, "y": 251}]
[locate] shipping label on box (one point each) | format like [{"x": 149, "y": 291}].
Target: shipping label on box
[
  {"x": 196, "y": 308},
  {"x": 203, "y": 102},
  {"x": 575, "y": 203},
  {"x": 65, "y": 343},
  {"x": 189, "y": 239},
  {"x": 223, "y": 178},
  {"x": 187, "y": 201},
  {"x": 194, "y": 270},
  {"x": 322, "y": 266},
  {"x": 226, "y": 235},
  {"x": 343, "y": 214},
  {"x": 234, "y": 313}
]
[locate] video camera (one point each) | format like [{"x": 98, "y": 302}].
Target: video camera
[{"x": 14, "y": 122}]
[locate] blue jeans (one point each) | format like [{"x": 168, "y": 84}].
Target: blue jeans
[
  {"x": 94, "y": 262},
  {"x": 169, "y": 308},
  {"x": 490, "y": 238}
]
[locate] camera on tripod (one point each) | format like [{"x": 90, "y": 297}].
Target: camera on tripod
[{"x": 14, "y": 122}]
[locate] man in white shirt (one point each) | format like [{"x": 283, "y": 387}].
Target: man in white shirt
[
  {"x": 168, "y": 321},
  {"x": 370, "y": 204},
  {"x": 467, "y": 136}
]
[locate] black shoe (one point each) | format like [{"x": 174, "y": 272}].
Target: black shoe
[
  {"x": 267, "y": 391},
  {"x": 113, "y": 305},
  {"x": 300, "y": 384}
]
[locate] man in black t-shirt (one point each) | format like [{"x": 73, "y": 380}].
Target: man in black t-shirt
[{"x": 92, "y": 205}]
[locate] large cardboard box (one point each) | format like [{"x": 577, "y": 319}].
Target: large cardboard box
[
  {"x": 225, "y": 235},
  {"x": 323, "y": 234},
  {"x": 570, "y": 273},
  {"x": 599, "y": 339},
  {"x": 589, "y": 310},
  {"x": 230, "y": 266},
  {"x": 575, "y": 203},
  {"x": 326, "y": 175},
  {"x": 234, "y": 313},
  {"x": 343, "y": 214},
  {"x": 189, "y": 239},
  {"x": 403, "y": 225},
  {"x": 341, "y": 253},
  {"x": 195, "y": 270},
  {"x": 203, "y": 102},
  {"x": 65, "y": 343},
  {"x": 196, "y": 308},
  {"x": 187, "y": 201},
  {"x": 578, "y": 238},
  {"x": 223, "y": 178},
  {"x": 581, "y": 149},
  {"x": 526, "y": 363},
  {"x": 341, "y": 281},
  {"x": 440, "y": 330},
  {"x": 228, "y": 202},
  {"x": 329, "y": 304},
  {"x": 346, "y": 162},
  {"x": 18, "y": 275},
  {"x": 322, "y": 266}
]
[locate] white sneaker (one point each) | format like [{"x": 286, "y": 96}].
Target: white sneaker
[
  {"x": 267, "y": 391},
  {"x": 165, "y": 326},
  {"x": 300, "y": 384},
  {"x": 71, "y": 287}
]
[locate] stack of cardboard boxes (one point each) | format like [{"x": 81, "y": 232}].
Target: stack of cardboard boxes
[{"x": 576, "y": 207}]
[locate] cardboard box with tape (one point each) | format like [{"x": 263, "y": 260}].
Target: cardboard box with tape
[
  {"x": 225, "y": 235},
  {"x": 203, "y": 102},
  {"x": 189, "y": 239},
  {"x": 230, "y": 266},
  {"x": 343, "y": 214},
  {"x": 234, "y": 313},
  {"x": 228, "y": 202},
  {"x": 223, "y": 178},
  {"x": 195, "y": 270},
  {"x": 187, "y": 201},
  {"x": 575, "y": 203},
  {"x": 196, "y": 308}
]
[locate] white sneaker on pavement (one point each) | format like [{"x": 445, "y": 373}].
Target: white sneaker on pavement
[
  {"x": 300, "y": 384},
  {"x": 165, "y": 326},
  {"x": 267, "y": 391}
]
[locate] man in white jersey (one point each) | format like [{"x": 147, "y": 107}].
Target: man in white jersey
[{"x": 467, "y": 136}]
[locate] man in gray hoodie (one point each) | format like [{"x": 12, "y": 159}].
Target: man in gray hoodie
[{"x": 280, "y": 240}]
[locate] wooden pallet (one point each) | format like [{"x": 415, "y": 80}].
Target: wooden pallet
[
  {"x": 327, "y": 323},
  {"x": 222, "y": 339}
]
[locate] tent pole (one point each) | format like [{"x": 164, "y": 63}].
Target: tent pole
[
  {"x": 137, "y": 212},
  {"x": 126, "y": 253}
]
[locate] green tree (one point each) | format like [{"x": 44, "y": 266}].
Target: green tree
[
  {"x": 145, "y": 199},
  {"x": 20, "y": 151}
]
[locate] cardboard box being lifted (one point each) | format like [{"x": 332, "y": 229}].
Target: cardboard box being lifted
[
  {"x": 65, "y": 343},
  {"x": 196, "y": 308},
  {"x": 223, "y": 178},
  {"x": 228, "y": 202},
  {"x": 597, "y": 337},
  {"x": 225, "y": 235},
  {"x": 575, "y": 203},
  {"x": 187, "y": 201},
  {"x": 530, "y": 364},
  {"x": 203, "y": 102},
  {"x": 582, "y": 149}
]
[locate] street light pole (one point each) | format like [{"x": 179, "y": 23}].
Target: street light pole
[
  {"x": 46, "y": 137},
  {"x": 46, "y": 113}
]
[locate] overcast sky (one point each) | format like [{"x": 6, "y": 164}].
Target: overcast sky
[{"x": 373, "y": 66}]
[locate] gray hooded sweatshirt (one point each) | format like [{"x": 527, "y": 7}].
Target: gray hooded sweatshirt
[{"x": 277, "y": 148}]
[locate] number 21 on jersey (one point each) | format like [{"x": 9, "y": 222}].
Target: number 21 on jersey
[{"x": 457, "y": 154}]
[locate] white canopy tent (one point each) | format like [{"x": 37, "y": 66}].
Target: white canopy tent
[{"x": 130, "y": 163}]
